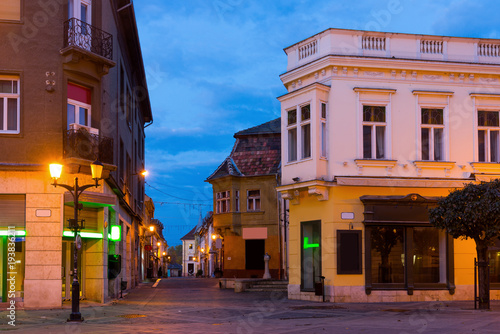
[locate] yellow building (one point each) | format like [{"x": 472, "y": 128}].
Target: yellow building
[
  {"x": 375, "y": 127},
  {"x": 245, "y": 220}
]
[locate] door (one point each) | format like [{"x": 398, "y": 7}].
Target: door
[
  {"x": 255, "y": 249},
  {"x": 68, "y": 251}
]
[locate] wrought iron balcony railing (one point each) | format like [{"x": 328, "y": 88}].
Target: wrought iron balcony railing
[
  {"x": 86, "y": 36},
  {"x": 82, "y": 144}
]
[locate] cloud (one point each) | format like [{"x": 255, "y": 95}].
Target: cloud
[{"x": 165, "y": 163}]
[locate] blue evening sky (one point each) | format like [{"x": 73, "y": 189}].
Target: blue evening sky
[{"x": 213, "y": 69}]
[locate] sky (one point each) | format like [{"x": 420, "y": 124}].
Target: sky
[{"x": 213, "y": 69}]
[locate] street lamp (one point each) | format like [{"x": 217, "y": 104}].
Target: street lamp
[{"x": 76, "y": 190}]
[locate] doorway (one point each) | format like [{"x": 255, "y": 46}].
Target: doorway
[{"x": 68, "y": 251}]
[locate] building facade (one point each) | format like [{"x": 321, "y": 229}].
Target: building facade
[
  {"x": 375, "y": 128},
  {"x": 190, "y": 262},
  {"x": 73, "y": 90},
  {"x": 246, "y": 204},
  {"x": 205, "y": 245}
]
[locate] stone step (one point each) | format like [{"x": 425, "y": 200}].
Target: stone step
[
  {"x": 261, "y": 289},
  {"x": 276, "y": 286}
]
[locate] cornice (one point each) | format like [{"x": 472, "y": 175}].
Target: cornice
[{"x": 383, "y": 63}]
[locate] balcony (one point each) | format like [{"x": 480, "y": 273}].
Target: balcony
[
  {"x": 80, "y": 144},
  {"x": 83, "y": 41}
]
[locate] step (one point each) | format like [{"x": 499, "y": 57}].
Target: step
[
  {"x": 265, "y": 290},
  {"x": 270, "y": 286}
]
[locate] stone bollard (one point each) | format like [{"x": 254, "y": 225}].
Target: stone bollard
[{"x": 267, "y": 275}]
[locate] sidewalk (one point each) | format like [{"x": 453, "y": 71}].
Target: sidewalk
[{"x": 179, "y": 305}]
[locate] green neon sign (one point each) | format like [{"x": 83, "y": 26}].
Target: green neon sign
[
  {"x": 308, "y": 245},
  {"x": 83, "y": 234},
  {"x": 17, "y": 233},
  {"x": 116, "y": 233}
]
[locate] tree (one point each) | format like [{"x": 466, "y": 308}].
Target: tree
[
  {"x": 472, "y": 212},
  {"x": 175, "y": 253}
]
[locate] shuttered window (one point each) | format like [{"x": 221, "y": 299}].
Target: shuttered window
[{"x": 12, "y": 211}]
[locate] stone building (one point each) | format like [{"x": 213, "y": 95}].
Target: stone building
[{"x": 72, "y": 90}]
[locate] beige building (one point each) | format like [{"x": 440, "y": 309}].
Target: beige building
[
  {"x": 72, "y": 90},
  {"x": 375, "y": 127},
  {"x": 190, "y": 261}
]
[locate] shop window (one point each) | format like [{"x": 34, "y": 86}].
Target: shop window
[
  {"x": 403, "y": 251},
  {"x": 494, "y": 257},
  {"x": 12, "y": 246}
]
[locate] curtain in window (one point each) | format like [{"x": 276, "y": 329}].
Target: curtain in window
[{"x": 380, "y": 142}]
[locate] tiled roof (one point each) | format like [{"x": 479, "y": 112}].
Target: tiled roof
[
  {"x": 257, "y": 151},
  {"x": 271, "y": 127},
  {"x": 190, "y": 235}
]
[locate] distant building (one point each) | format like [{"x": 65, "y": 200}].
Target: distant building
[
  {"x": 175, "y": 270},
  {"x": 189, "y": 254},
  {"x": 246, "y": 219},
  {"x": 205, "y": 247}
]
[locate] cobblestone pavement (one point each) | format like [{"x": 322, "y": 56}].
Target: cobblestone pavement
[{"x": 190, "y": 305}]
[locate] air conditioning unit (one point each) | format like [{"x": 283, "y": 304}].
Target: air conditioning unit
[{"x": 76, "y": 126}]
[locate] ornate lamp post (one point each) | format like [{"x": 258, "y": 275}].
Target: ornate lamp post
[{"x": 76, "y": 190}]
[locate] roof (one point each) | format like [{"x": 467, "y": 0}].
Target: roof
[
  {"x": 271, "y": 127},
  {"x": 256, "y": 152},
  {"x": 189, "y": 235},
  {"x": 175, "y": 266}
]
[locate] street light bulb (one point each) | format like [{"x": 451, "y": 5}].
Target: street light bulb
[
  {"x": 159, "y": 244},
  {"x": 96, "y": 169},
  {"x": 214, "y": 237},
  {"x": 55, "y": 170},
  {"x": 164, "y": 253},
  {"x": 152, "y": 228},
  {"x": 144, "y": 173}
]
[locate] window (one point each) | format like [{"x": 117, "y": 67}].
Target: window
[
  {"x": 9, "y": 106},
  {"x": 237, "y": 201},
  {"x": 432, "y": 129},
  {"x": 190, "y": 246},
  {"x": 10, "y": 10},
  {"x": 323, "y": 130},
  {"x": 292, "y": 135},
  {"x": 402, "y": 256},
  {"x": 121, "y": 153},
  {"x": 494, "y": 257},
  {"x": 402, "y": 250},
  {"x": 305, "y": 127},
  {"x": 222, "y": 202},
  {"x": 374, "y": 125},
  {"x": 79, "y": 106},
  {"x": 488, "y": 139},
  {"x": 253, "y": 200},
  {"x": 349, "y": 252},
  {"x": 310, "y": 262}
]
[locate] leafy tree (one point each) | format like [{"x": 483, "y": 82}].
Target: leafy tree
[
  {"x": 175, "y": 253},
  {"x": 472, "y": 212}
]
